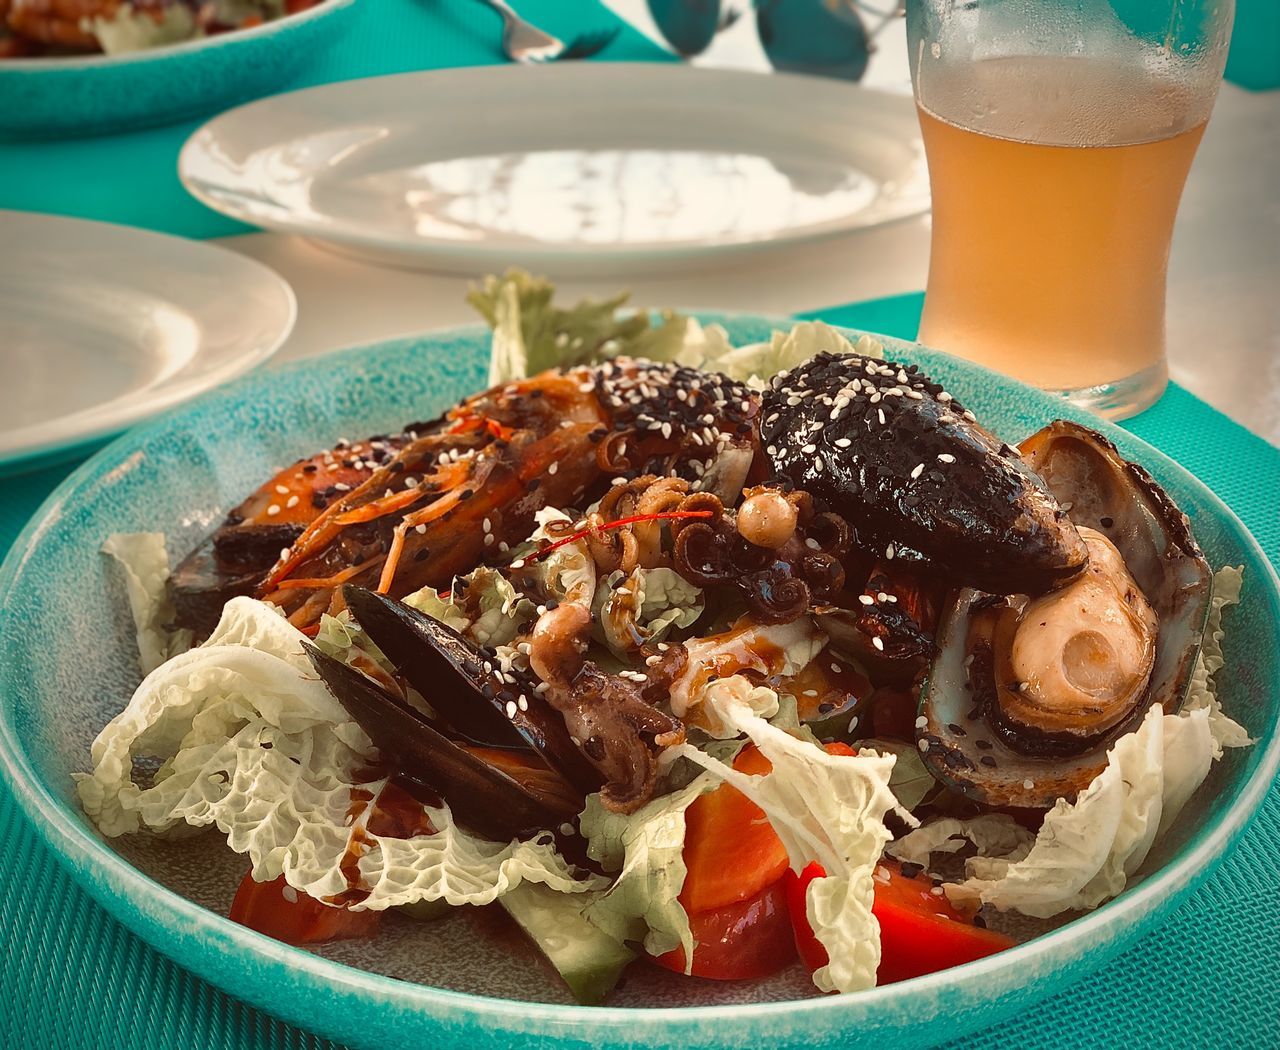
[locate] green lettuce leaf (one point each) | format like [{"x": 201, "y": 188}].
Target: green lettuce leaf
[
  {"x": 251, "y": 741},
  {"x": 144, "y": 563},
  {"x": 645, "y": 850},
  {"x": 532, "y": 334},
  {"x": 912, "y": 783}
]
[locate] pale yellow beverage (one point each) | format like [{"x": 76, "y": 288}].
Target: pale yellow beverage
[{"x": 1055, "y": 185}]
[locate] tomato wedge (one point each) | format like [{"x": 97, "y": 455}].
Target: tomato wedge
[
  {"x": 920, "y": 931},
  {"x": 279, "y": 911},
  {"x": 742, "y": 941},
  {"x": 731, "y": 852}
]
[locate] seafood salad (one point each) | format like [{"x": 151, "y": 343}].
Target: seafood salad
[
  {"x": 721, "y": 659},
  {"x": 47, "y": 28}
]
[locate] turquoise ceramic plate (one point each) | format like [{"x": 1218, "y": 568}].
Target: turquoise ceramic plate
[
  {"x": 101, "y": 94},
  {"x": 67, "y": 664}
]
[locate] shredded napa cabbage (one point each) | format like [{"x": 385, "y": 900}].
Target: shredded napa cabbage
[
  {"x": 251, "y": 741},
  {"x": 644, "y": 606},
  {"x": 644, "y": 852},
  {"x": 824, "y": 807},
  {"x": 1086, "y": 851},
  {"x": 145, "y": 564}
]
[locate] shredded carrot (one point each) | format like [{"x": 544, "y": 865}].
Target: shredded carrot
[
  {"x": 326, "y": 581},
  {"x": 393, "y": 559},
  {"x": 381, "y": 507}
]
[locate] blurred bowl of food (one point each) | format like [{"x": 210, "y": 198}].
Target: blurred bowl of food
[{"x": 91, "y": 67}]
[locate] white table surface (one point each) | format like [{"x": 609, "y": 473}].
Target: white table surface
[{"x": 1224, "y": 273}]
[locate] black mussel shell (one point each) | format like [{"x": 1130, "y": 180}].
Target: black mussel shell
[
  {"x": 480, "y": 796},
  {"x": 476, "y": 703},
  {"x": 927, "y": 477}
]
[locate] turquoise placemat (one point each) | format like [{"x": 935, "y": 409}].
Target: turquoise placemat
[
  {"x": 72, "y": 978},
  {"x": 133, "y": 178}
]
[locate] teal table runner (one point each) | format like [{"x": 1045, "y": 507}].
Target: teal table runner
[
  {"x": 133, "y": 179},
  {"x": 72, "y": 978}
]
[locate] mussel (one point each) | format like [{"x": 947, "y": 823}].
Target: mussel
[
  {"x": 491, "y": 746},
  {"x": 1027, "y": 694},
  {"x": 915, "y": 475}
]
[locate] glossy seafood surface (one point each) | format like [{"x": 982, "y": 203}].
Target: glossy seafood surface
[
  {"x": 912, "y": 471},
  {"x": 400, "y": 512},
  {"x": 1126, "y": 635}
]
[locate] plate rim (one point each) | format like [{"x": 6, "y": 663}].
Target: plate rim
[
  {"x": 120, "y": 887},
  {"x": 353, "y": 238},
  {"x": 172, "y": 391}
]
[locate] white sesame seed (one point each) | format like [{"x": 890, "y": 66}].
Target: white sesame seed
[
  {"x": 518, "y": 563},
  {"x": 880, "y": 414},
  {"x": 919, "y": 469},
  {"x": 553, "y": 468},
  {"x": 944, "y": 397},
  {"x": 936, "y": 891},
  {"x": 420, "y": 529},
  {"x": 663, "y": 647},
  {"x": 1028, "y": 784},
  {"x": 878, "y": 643},
  {"x": 889, "y": 552},
  {"x": 921, "y": 722},
  {"x": 487, "y": 525},
  {"x": 342, "y": 486},
  {"x": 866, "y": 599},
  {"x": 523, "y": 702},
  {"x": 282, "y": 489},
  {"x": 651, "y": 661},
  {"x": 946, "y": 457},
  {"x": 853, "y": 723},
  {"x": 291, "y": 502},
  {"x": 811, "y": 543},
  {"x": 284, "y": 553},
  {"x": 843, "y": 443},
  {"x": 511, "y": 709},
  {"x": 273, "y": 510},
  {"x": 924, "y": 745}
]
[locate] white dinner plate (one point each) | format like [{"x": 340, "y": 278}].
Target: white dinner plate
[
  {"x": 572, "y": 169},
  {"x": 105, "y": 325}
]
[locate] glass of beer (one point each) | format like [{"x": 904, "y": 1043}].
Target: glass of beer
[{"x": 1059, "y": 134}]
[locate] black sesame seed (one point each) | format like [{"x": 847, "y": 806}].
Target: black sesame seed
[
  {"x": 984, "y": 745},
  {"x": 1106, "y": 523},
  {"x": 987, "y": 760},
  {"x": 955, "y": 729},
  {"x": 910, "y": 870},
  {"x": 980, "y": 922},
  {"x": 310, "y": 468}
]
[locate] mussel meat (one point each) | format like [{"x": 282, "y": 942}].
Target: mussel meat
[
  {"x": 1027, "y": 694},
  {"x": 491, "y": 747}
]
